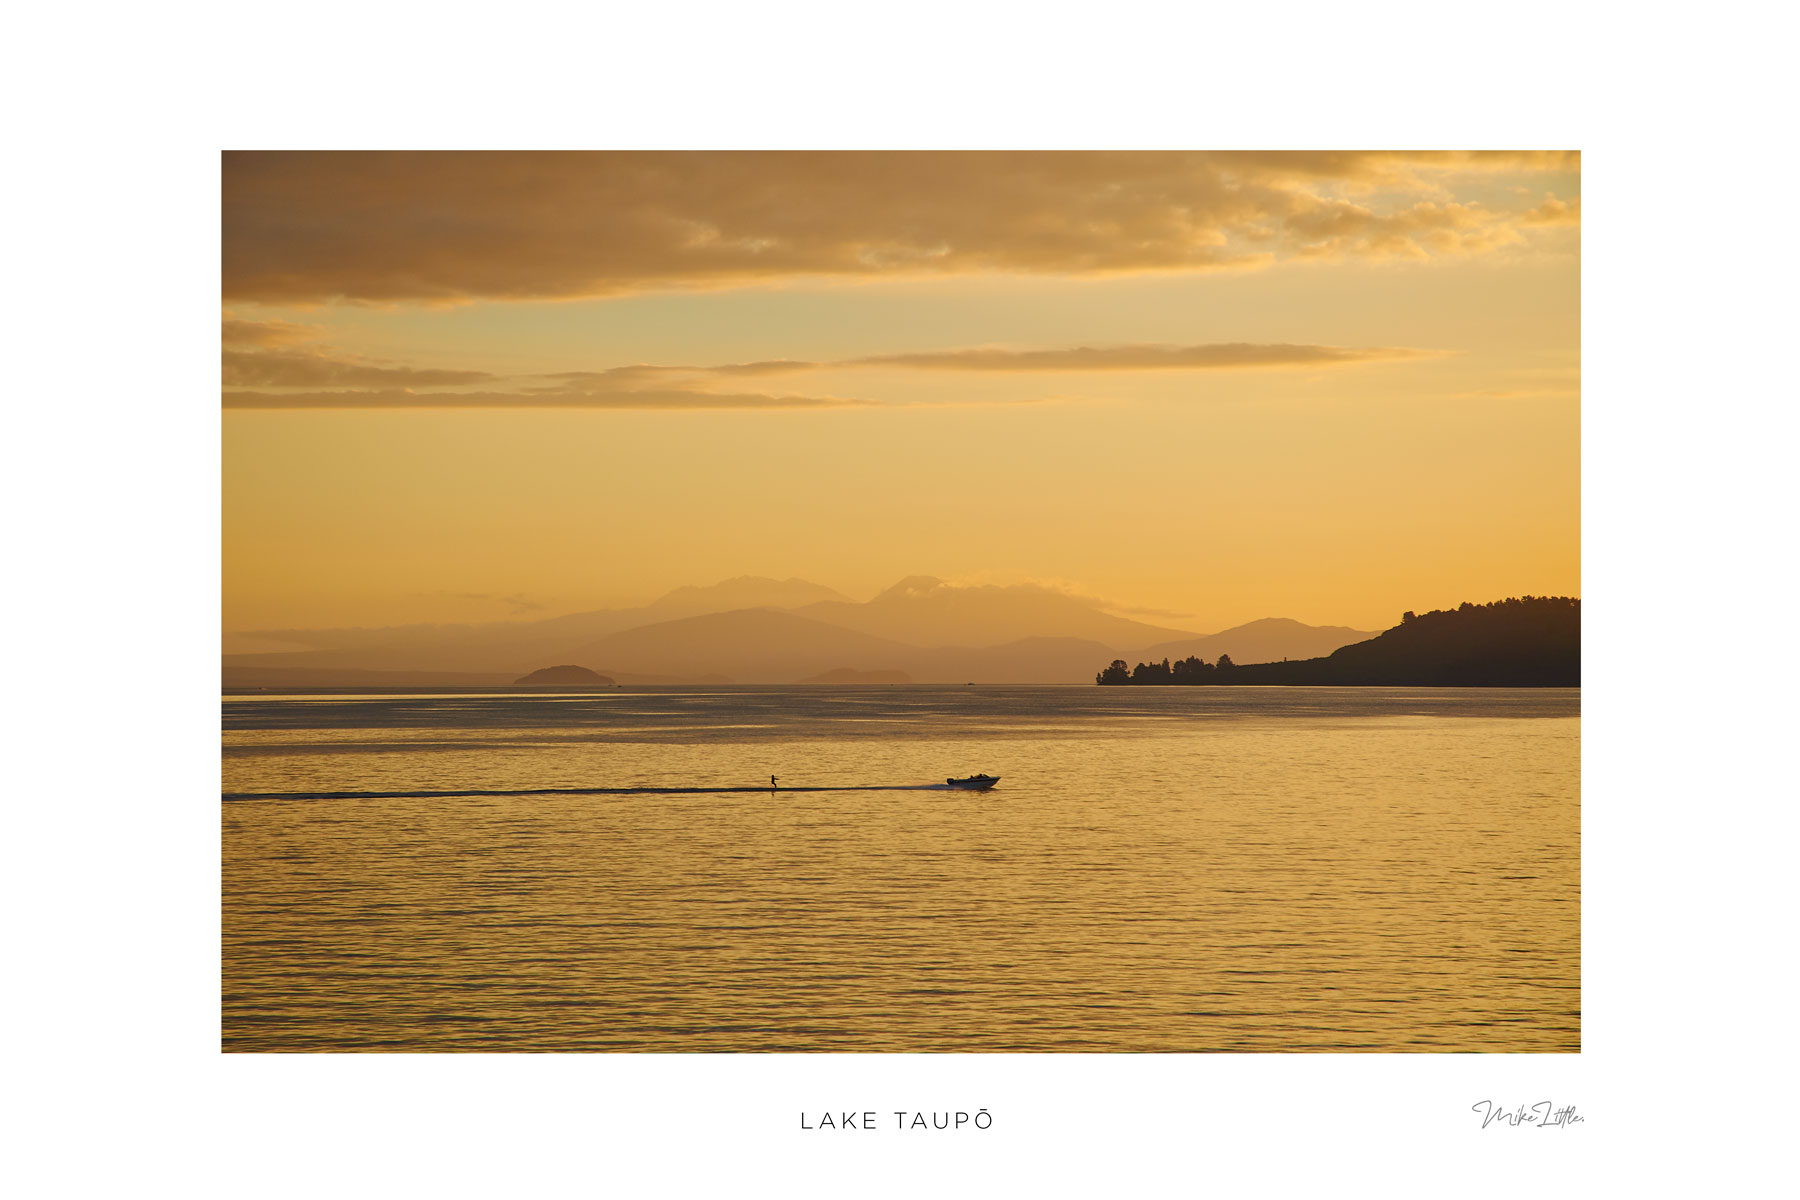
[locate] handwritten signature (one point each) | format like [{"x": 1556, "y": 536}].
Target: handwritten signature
[{"x": 1543, "y": 1114}]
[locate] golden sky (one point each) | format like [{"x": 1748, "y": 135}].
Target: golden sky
[{"x": 1208, "y": 387}]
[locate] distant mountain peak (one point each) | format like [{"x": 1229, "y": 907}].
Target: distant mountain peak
[
  {"x": 913, "y": 585},
  {"x": 916, "y": 586},
  {"x": 753, "y": 581},
  {"x": 747, "y": 591},
  {"x": 1266, "y": 639},
  {"x": 923, "y": 610}
]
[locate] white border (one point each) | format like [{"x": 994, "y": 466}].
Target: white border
[{"x": 115, "y": 499}]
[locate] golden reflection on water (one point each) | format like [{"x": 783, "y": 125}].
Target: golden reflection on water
[{"x": 1201, "y": 876}]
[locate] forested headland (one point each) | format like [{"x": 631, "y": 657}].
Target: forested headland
[{"x": 1533, "y": 641}]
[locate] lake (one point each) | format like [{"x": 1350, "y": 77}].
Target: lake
[{"x": 1170, "y": 869}]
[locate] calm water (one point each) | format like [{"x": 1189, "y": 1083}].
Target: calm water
[{"x": 1160, "y": 869}]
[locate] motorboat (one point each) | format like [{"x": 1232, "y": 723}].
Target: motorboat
[{"x": 979, "y": 783}]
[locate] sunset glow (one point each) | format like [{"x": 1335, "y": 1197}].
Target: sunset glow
[{"x": 1209, "y": 387}]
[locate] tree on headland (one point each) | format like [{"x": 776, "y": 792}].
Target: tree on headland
[
  {"x": 1531, "y": 641},
  {"x": 1192, "y": 669},
  {"x": 1151, "y": 673}
]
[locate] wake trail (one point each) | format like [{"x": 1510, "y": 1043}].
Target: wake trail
[{"x": 583, "y": 791}]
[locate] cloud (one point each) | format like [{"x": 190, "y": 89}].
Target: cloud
[
  {"x": 640, "y": 373},
  {"x": 280, "y": 368},
  {"x": 1342, "y": 229},
  {"x": 306, "y": 227},
  {"x": 666, "y": 399},
  {"x": 649, "y": 386},
  {"x": 266, "y": 333},
  {"x": 1138, "y": 610},
  {"x": 1390, "y": 166},
  {"x": 1554, "y": 212},
  {"x": 1524, "y": 393},
  {"x": 271, "y": 362},
  {"x": 1143, "y": 357}
]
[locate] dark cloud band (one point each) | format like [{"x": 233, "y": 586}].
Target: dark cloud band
[
  {"x": 649, "y": 399},
  {"x": 274, "y": 368},
  {"x": 378, "y": 227}
]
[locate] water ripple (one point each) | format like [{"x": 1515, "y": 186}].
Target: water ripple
[{"x": 1298, "y": 873}]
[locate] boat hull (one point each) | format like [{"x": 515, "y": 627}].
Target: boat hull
[{"x": 974, "y": 783}]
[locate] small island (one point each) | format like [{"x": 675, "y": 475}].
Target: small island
[
  {"x": 564, "y": 676},
  {"x": 1534, "y": 641}
]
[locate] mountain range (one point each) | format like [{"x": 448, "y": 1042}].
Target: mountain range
[{"x": 756, "y": 630}]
